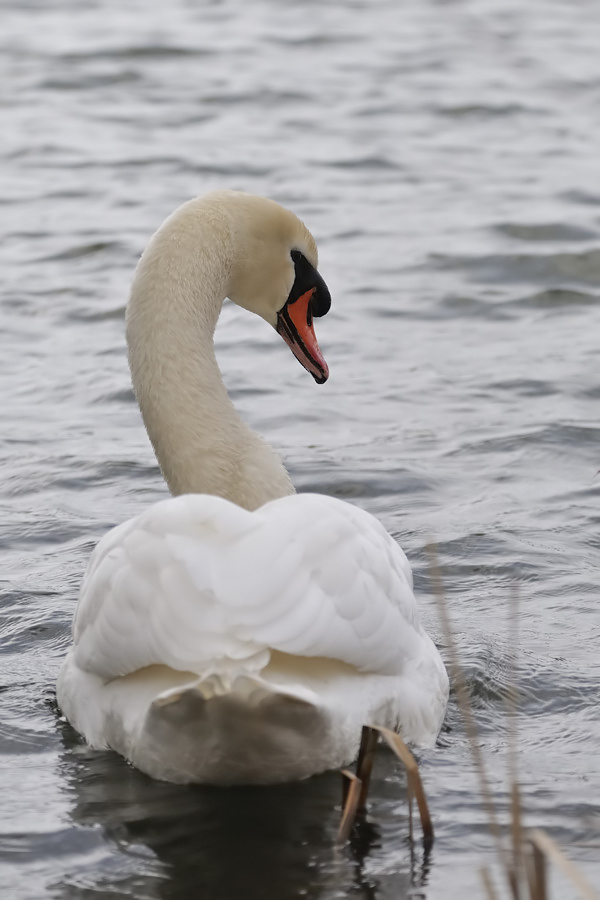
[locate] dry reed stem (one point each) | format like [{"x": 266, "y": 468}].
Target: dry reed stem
[
  {"x": 536, "y": 874},
  {"x": 549, "y": 848},
  {"x": 516, "y": 818},
  {"x": 415, "y": 785},
  {"x": 351, "y": 804},
  {"x": 357, "y": 785},
  {"x": 541, "y": 844},
  {"x": 364, "y": 763},
  {"x": 462, "y": 695},
  {"x": 516, "y": 830},
  {"x": 487, "y": 883}
]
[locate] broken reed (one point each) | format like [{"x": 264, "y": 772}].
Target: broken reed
[
  {"x": 356, "y": 787},
  {"x": 524, "y": 862}
]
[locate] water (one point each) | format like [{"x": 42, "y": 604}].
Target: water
[{"x": 445, "y": 156}]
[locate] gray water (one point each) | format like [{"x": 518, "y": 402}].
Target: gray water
[{"x": 446, "y": 157}]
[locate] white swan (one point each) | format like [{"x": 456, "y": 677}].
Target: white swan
[{"x": 238, "y": 632}]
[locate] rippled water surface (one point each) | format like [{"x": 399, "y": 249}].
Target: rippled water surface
[{"x": 445, "y": 155}]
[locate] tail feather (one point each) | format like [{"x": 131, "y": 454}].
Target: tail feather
[{"x": 227, "y": 733}]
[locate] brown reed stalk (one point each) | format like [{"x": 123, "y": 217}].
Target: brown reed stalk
[
  {"x": 516, "y": 817},
  {"x": 357, "y": 786},
  {"x": 543, "y": 843},
  {"x": 464, "y": 704},
  {"x": 530, "y": 849},
  {"x": 487, "y": 883},
  {"x": 536, "y": 874},
  {"x": 350, "y": 803}
]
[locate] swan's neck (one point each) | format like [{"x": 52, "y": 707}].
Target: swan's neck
[{"x": 200, "y": 442}]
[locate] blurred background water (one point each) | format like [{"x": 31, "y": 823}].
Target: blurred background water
[{"x": 445, "y": 155}]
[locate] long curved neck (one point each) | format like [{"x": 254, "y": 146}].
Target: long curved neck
[{"x": 201, "y": 443}]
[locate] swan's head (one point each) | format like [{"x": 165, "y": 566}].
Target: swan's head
[{"x": 275, "y": 274}]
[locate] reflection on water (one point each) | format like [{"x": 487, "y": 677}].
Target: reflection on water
[{"x": 254, "y": 842}]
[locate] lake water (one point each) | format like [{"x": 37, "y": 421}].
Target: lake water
[{"x": 445, "y": 156}]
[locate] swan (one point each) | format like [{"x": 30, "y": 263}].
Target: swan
[{"x": 239, "y": 632}]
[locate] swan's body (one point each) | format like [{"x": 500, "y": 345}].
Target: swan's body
[{"x": 239, "y": 633}]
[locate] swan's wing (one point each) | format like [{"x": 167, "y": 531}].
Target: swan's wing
[
  {"x": 199, "y": 584},
  {"x": 338, "y": 585},
  {"x": 149, "y": 593}
]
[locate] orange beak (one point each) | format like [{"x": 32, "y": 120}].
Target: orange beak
[{"x": 295, "y": 325}]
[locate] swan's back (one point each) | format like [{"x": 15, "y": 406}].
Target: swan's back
[{"x": 308, "y": 600}]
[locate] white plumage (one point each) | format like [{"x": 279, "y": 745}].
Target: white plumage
[{"x": 216, "y": 643}]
